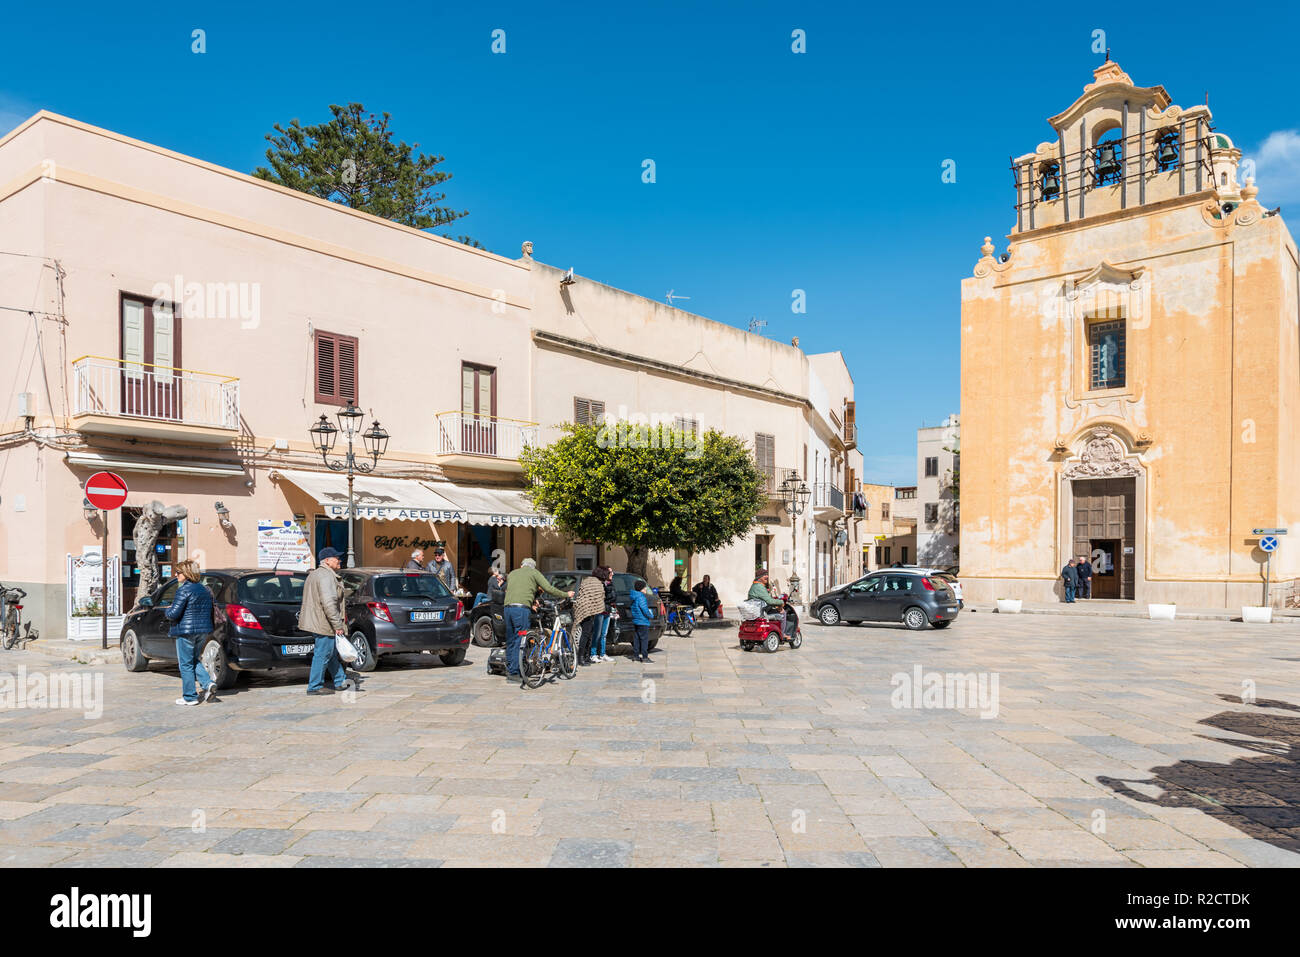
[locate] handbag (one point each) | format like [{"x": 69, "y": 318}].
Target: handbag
[{"x": 345, "y": 649}]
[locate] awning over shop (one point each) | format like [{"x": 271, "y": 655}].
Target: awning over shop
[
  {"x": 96, "y": 460},
  {"x": 399, "y": 500},
  {"x": 493, "y": 506}
]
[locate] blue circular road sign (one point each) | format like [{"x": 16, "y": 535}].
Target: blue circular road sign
[{"x": 1268, "y": 543}]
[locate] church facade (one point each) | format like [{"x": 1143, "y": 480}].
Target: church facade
[{"x": 1131, "y": 367}]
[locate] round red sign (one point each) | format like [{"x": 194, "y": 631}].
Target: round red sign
[{"x": 106, "y": 490}]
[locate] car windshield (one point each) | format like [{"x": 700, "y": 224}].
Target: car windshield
[
  {"x": 271, "y": 588},
  {"x": 566, "y": 581},
  {"x": 625, "y": 584},
  {"x": 410, "y": 586}
]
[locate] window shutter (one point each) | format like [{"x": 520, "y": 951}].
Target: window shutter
[
  {"x": 588, "y": 411},
  {"x": 326, "y": 368},
  {"x": 347, "y": 348}
]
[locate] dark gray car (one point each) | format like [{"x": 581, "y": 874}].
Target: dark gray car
[{"x": 894, "y": 595}]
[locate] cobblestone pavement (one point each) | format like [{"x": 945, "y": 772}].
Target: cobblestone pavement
[{"x": 1116, "y": 742}]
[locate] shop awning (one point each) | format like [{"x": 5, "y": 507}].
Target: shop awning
[
  {"x": 393, "y": 499},
  {"x": 492, "y": 506},
  {"x": 96, "y": 460}
]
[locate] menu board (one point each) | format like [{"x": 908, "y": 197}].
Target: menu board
[{"x": 282, "y": 545}]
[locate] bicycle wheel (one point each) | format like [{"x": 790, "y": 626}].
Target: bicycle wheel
[
  {"x": 530, "y": 659},
  {"x": 568, "y": 655},
  {"x": 11, "y": 629}
]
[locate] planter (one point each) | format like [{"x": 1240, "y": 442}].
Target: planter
[
  {"x": 1161, "y": 612},
  {"x": 1009, "y": 606},
  {"x": 1261, "y": 614},
  {"x": 90, "y": 629}
]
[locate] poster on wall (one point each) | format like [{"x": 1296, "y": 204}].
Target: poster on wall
[{"x": 282, "y": 544}]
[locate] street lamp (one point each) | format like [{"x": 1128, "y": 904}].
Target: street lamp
[
  {"x": 324, "y": 435},
  {"x": 795, "y": 494}
]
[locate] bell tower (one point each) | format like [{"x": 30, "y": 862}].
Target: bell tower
[{"x": 1121, "y": 147}]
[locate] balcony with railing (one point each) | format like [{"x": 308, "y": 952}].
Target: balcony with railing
[
  {"x": 116, "y": 397},
  {"x": 469, "y": 440},
  {"x": 827, "y": 497}
]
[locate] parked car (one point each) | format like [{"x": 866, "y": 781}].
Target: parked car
[
  {"x": 947, "y": 574},
  {"x": 488, "y": 619},
  {"x": 255, "y": 619},
  {"x": 391, "y": 612},
  {"x": 894, "y": 594}
]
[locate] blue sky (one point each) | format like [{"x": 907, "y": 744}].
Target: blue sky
[{"x": 775, "y": 171}]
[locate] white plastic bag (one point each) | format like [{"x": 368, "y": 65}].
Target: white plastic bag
[
  {"x": 750, "y": 609},
  {"x": 345, "y": 649}
]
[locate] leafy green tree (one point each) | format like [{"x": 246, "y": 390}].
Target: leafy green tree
[
  {"x": 646, "y": 487},
  {"x": 352, "y": 160}
]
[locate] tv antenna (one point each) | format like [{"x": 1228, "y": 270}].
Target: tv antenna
[
  {"x": 756, "y": 325},
  {"x": 670, "y": 297}
]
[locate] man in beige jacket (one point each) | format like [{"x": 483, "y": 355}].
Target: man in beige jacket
[{"x": 321, "y": 616}]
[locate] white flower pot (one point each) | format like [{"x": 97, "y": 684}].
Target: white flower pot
[
  {"x": 1261, "y": 614},
  {"x": 1009, "y": 606},
  {"x": 1161, "y": 612}
]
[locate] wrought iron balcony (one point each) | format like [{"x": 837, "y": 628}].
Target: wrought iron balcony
[
  {"x": 828, "y": 496},
  {"x": 484, "y": 439},
  {"x": 139, "y": 398}
]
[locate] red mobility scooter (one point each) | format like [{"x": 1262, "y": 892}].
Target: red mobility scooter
[{"x": 773, "y": 626}]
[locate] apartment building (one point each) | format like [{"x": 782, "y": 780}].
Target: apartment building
[
  {"x": 938, "y": 508},
  {"x": 185, "y": 325},
  {"x": 888, "y": 526}
]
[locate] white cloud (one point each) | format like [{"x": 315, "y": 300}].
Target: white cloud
[{"x": 1277, "y": 168}]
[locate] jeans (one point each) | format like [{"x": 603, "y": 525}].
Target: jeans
[
  {"x": 325, "y": 659},
  {"x": 598, "y": 642},
  {"x": 187, "y": 656},
  {"x": 1069, "y": 592},
  {"x": 641, "y": 641},
  {"x": 479, "y": 599},
  {"x": 518, "y": 618}
]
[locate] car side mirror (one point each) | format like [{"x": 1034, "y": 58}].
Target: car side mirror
[{"x": 146, "y": 602}]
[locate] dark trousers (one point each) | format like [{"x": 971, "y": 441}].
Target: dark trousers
[
  {"x": 518, "y": 617},
  {"x": 1085, "y": 588},
  {"x": 1069, "y": 591},
  {"x": 641, "y": 641},
  {"x": 588, "y": 634}
]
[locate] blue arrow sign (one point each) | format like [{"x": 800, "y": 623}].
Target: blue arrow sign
[{"x": 1268, "y": 543}]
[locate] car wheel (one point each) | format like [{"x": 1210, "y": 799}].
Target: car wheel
[
  {"x": 828, "y": 615},
  {"x": 485, "y": 635},
  {"x": 132, "y": 656},
  {"x": 914, "y": 618},
  {"x": 217, "y": 666},
  {"x": 367, "y": 660},
  {"x": 940, "y": 624},
  {"x": 654, "y": 643},
  {"x": 772, "y": 642},
  {"x": 796, "y": 640},
  {"x": 453, "y": 657}
]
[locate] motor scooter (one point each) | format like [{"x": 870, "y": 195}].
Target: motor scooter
[{"x": 775, "y": 625}]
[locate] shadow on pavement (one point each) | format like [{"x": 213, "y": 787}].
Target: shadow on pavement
[{"x": 1259, "y": 795}]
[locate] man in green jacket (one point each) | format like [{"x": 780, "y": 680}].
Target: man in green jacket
[{"x": 522, "y": 586}]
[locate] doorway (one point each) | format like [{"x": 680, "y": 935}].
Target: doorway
[
  {"x": 476, "y": 545},
  {"x": 150, "y": 342},
  {"x": 333, "y": 532},
  {"x": 478, "y": 407},
  {"x": 1106, "y": 558}
]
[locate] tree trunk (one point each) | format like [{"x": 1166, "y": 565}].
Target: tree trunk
[
  {"x": 636, "y": 560},
  {"x": 152, "y": 518}
]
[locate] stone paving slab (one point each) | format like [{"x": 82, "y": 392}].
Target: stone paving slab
[{"x": 1116, "y": 742}]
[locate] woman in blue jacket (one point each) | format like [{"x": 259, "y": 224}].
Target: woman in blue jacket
[
  {"x": 639, "y": 614},
  {"x": 191, "y": 610}
]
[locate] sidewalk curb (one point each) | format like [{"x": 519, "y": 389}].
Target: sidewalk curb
[{"x": 1226, "y": 615}]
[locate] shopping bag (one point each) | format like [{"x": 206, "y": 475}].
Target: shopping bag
[{"x": 345, "y": 649}]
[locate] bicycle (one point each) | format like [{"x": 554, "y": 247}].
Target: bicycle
[
  {"x": 681, "y": 619},
  {"x": 549, "y": 648},
  {"x": 10, "y": 622}
]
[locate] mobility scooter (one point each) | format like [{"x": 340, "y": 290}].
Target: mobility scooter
[{"x": 774, "y": 625}]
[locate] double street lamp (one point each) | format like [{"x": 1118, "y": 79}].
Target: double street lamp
[
  {"x": 795, "y": 494},
  {"x": 324, "y": 435}
]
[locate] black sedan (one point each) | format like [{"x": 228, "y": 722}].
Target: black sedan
[
  {"x": 392, "y": 612},
  {"x": 897, "y": 595},
  {"x": 255, "y": 618},
  {"x": 488, "y": 619}
]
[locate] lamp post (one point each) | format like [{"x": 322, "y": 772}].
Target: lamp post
[
  {"x": 324, "y": 435},
  {"x": 795, "y": 494}
]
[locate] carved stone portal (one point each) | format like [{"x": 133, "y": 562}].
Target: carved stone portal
[{"x": 1102, "y": 457}]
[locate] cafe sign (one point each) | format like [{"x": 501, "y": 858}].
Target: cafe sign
[{"x": 396, "y": 513}]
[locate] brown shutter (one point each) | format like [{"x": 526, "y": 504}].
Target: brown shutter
[
  {"x": 588, "y": 411},
  {"x": 336, "y": 368}
]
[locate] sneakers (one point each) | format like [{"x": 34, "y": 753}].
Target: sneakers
[
  {"x": 187, "y": 704},
  {"x": 211, "y": 693}
]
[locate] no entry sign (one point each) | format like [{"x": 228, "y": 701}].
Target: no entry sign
[{"x": 106, "y": 490}]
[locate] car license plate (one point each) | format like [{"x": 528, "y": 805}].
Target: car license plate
[
  {"x": 426, "y": 616},
  {"x": 297, "y": 649}
]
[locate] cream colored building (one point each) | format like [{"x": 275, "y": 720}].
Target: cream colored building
[
  {"x": 1131, "y": 366},
  {"x": 184, "y": 325}
]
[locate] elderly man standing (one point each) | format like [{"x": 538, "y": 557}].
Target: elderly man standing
[
  {"x": 443, "y": 568},
  {"x": 322, "y": 617},
  {"x": 416, "y": 562},
  {"x": 522, "y": 587}
]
